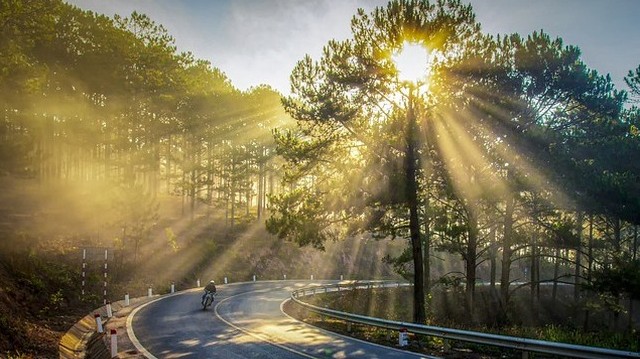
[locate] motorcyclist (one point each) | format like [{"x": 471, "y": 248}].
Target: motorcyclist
[{"x": 209, "y": 288}]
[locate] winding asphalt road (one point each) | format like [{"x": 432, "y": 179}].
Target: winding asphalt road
[{"x": 247, "y": 322}]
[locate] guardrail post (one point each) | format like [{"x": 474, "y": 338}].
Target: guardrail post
[
  {"x": 198, "y": 283},
  {"x": 341, "y": 277},
  {"x": 285, "y": 276},
  {"x": 349, "y": 327},
  {"x": 150, "y": 292},
  {"x": 173, "y": 287},
  {"x": 226, "y": 281},
  {"x": 312, "y": 277},
  {"x": 114, "y": 343},
  {"x": 254, "y": 277},
  {"x": 126, "y": 299}
]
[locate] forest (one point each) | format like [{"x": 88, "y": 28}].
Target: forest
[
  {"x": 113, "y": 140},
  {"x": 515, "y": 168},
  {"x": 512, "y": 155}
]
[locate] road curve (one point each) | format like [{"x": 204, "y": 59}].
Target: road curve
[{"x": 247, "y": 322}]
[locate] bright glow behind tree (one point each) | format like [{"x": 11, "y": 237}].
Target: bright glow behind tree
[{"x": 412, "y": 63}]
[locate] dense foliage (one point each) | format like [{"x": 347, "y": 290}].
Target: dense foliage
[
  {"x": 90, "y": 98},
  {"x": 111, "y": 138},
  {"x": 515, "y": 155}
]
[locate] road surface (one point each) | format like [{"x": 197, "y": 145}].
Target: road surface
[{"x": 246, "y": 321}]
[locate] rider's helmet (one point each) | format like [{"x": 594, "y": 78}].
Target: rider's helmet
[{"x": 212, "y": 282}]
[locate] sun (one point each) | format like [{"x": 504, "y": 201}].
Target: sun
[{"x": 413, "y": 63}]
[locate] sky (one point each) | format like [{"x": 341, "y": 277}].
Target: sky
[{"x": 259, "y": 41}]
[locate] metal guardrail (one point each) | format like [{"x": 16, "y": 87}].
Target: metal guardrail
[{"x": 524, "y": 344}]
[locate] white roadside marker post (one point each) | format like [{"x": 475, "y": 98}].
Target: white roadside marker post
[
  {"x": 99, "y": 327},
  {"x": 109, "y": 311},
  {"x": 403, "y": 338},
  {"x": 114, "y": 343}
]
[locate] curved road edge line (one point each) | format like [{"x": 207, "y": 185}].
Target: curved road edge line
[
  {"x": 355, "y": 339},
  {"x": 256, "y": 335},
  {"x": 132, "y": 336}
]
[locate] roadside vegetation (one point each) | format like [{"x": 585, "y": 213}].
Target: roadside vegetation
[{"x": 446, "y": 310}]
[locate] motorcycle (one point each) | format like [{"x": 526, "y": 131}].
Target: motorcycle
[{"x": 208, "y": 299}]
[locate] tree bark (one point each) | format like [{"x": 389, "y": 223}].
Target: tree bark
[{"x": 419, "y": 314}]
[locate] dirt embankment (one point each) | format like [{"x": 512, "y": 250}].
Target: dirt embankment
[{"x": 23, "y": 333}]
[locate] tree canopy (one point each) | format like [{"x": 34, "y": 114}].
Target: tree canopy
[{"x": 505, "y": 127}]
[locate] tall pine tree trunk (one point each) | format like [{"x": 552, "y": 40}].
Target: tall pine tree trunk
[
  {"x": 634, "y": 250},
  {"x": 506, "y": 249},
  {"x": 556, "y": 272},
  {"x": 493, "y": 257},
  {"x": 168, "y": 169},
  {"x": 411, "y": 200},
  {"x": 589, "y": 268},
  {"x": 193, "y": 183},
  {"x": 232, "y": 194},
  {"x": 260, "y": 198},
  {"x": 471, "y": 261},
  {"x": 535, "y": 280},
  {"x": 426, "y": 248},
  {"x": 577, "y": 282}
]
